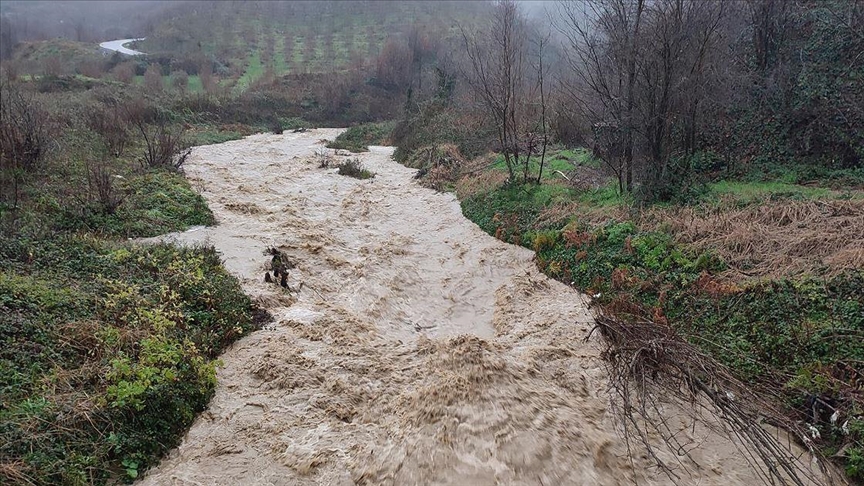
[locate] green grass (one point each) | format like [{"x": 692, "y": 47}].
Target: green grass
[
  {"x": 194, "y": 84},
  {"x": 358, "y": 138},
  {"x": 353, "y": 168},
  {"x": 557, "y": 159},
  {"x": 517, "y": 202},
  {"x": 156, "y": 202},
  {"x": 209, "y": 135},
  {"x": 748, "y": 192},
  {"x": 107, "y": 352},
  {"x": 254, "y": 70},
  {"x": 603, "y": 197},
  {"x": 279, "y": 64},
  {"x": 297, "y": 54},
  {"x": 579, "y": 156}
]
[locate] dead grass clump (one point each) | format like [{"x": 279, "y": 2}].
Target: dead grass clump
[
  {"x": 474, "y": 184},
  {"x": 438, "y": 165},
  {"x": 590, "y": 215},
  {"x": 651, "y": 368},
  {"x": 772, "y": 240},
  {"x": 323, "y": 158}
]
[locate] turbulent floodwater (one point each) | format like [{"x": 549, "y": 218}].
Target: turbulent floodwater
[{"x": 419, "y": 351}]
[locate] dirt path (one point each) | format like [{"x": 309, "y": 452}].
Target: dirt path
[{"x": 420, "y": 351}]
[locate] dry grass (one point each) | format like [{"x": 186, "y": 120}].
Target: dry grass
[
  {"x": 439, "y": 166},
  {"x": 468, "y": 187},
  {"x": 769, "y": 240},
  {"x": 774, "y": 240},
  {"x": 587, "y": 214}
]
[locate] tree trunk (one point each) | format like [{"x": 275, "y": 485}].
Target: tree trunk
[{"x": 631, "y": 81}]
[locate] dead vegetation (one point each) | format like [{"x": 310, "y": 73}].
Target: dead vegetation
[
  {"x": 480, "y": 183},
  {"x": 438, "y": 166},
  {"x": 772, "y": 240},
  {"x": 101, "y": 187},
  {"x": 651, "y": 367}
]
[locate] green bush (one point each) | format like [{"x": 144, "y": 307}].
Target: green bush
[
  {"x": 358, "y": 138},
  {"x": 107, "y": 352},
  {"x": 353, "y": 168},
  {"x": 155, "y": 203}
]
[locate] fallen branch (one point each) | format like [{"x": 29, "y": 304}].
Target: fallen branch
[{"x": 652, "y": 368}]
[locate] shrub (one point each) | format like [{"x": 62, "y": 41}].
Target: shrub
[
  {"x": 124, "y": 72},
  {"x": 353, "y": 168},
  {"x": 165, "y": 146},
  {"x": 275, "y": 126},
  {"x": 124, "y": 337},
  {"x": 358, "y": 138},
  {"x": 438, "y": 167},
  {"x": 107, "y": 119},
  {"x": 180, "y": 80},
  {"x": 23, "y": 137},
  {"x": 153, "y": 78},
  {"x": 323, "y": 158},
  {"x": 100, "y": 182}
]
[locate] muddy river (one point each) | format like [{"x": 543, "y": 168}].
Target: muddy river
[{"x": 419, "y": 351}]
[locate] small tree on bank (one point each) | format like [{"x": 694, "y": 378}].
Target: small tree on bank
[{"x": 496, "y": 74}]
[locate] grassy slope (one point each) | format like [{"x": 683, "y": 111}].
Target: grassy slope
[
  {"x": 224, "y": 34},
  {"x": 100, "y": 338},
  {"x": 33, "y": 56}
]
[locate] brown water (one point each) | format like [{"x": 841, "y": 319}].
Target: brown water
[{"x": 420, "y": 350}]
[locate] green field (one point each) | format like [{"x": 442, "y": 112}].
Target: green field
[{"x": 325, "y": 37}]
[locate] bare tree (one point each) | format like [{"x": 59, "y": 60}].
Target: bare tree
[
  {"x": 52, "y": 67},
  {"x": 393, "y": 67},
  {"x": 496, "y": 75},
  {"x": 109, "y": 121},
  {"x": 124, "y": 72},
  {"x": 673, "y": 84},
  {"x": 180, "y": 80},
  {"x": 602, "y": 41},
  {"x": 102, "y": 189},
  {"x": 205, "y": 74},
  {"x": 23, "y": 138},
  {"x": 541, "y": 86},
  {"x": 769, "y": 18},
  {"x": 153, "y": 78},
  {"x": 642, "y": 73},
  {"x": 164, "y": 144}
]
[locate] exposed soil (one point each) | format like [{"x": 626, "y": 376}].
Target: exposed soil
[{"x": 419, "y": 351}]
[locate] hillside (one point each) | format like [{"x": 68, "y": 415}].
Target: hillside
[{"x": 244, "y": 42}]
